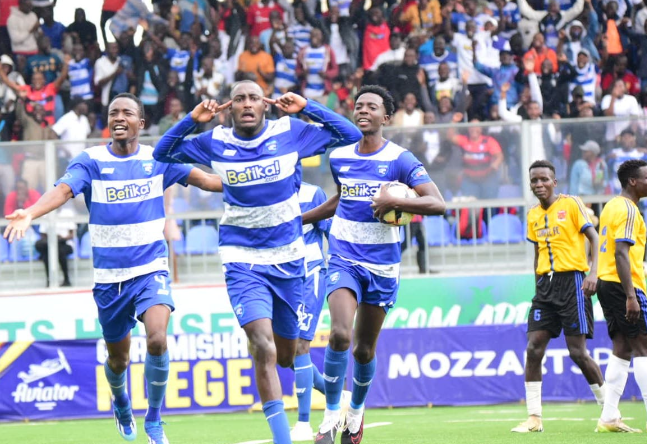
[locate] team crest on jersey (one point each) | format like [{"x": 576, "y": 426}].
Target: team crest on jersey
[
  {"x": 239, "y": 310},
  {"x": 147, "y": 166},
  {"x": 334, "y": 277},
  {"x": 382, "y": 169},
  {"x": 561, "y": 215},
  {"x": 271, "y": 146}
]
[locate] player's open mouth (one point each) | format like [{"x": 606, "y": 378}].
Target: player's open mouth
[
  {"x": 363, "y": 121},
  {"x": 247, "y": 117},
  {"x": 119, "y": 128}
]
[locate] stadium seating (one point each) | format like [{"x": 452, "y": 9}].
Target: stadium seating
[
  {"x": 505, "y": 228},
  {"x": 478, "y": 241},
  {"x": 85, "y": 247},
  {"x": 180, "y": 206},
  {"x": 4, "y": 249},
  {"x": 24, "y": 250},
  {"x": 202, "y": 239},
  {"x": 179, "y": 246},
  {"x": 438, "y": 231}
]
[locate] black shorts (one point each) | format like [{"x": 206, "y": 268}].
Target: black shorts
[
  {"x": 560, "y": 304},
  {"x": 613, "y": 301}
]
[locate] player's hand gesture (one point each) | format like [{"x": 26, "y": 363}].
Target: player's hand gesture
[
  {"x": 633, "y": 309},
  {"x": 289, "y": 103},
  {"x": 589, "y": 284},
  {"x": 207, "y": 110},
  {"x": 20, "y": 221}
]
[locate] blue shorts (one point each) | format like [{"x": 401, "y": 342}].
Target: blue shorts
[
  {"x": 267, "y": 292},
  {"x": 121, "y": 304},
  {"x": 313, "y": 298},
  {"x": 368, "y": 287}
]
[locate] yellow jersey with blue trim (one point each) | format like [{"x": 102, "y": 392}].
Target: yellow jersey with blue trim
[
  {"x": 621, "y": 221},
  {"x": 558, "y": 233}
]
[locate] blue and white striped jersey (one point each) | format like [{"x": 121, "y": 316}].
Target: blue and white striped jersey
[
  {"x": 315, "y": 62},
  {"x": 356, "y": 235},
  {"x": 80, "y": 74},
  {"x": 311, "y": 196},
  {"x": 430, "y": 63},
  {"x": 261, "y": 179},
  {"x": 125, "y": 198},
  {"x": 285, "y": 74}
]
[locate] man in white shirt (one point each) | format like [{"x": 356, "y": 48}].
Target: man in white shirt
[
  {"x": 74, "y": 127},
  {"x": 106, "y": 69},
  {"x": 394, "y": 55},
  {"x": 619, "y": 104}
]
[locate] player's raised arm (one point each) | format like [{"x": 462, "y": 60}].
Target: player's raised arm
[
  {"x": 21, "y": 218},
  {"x": 339, "y": 131},
  {"x": 173, "y": 148}
]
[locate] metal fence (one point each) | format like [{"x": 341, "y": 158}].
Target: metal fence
[{"x": 483, "y": 230}]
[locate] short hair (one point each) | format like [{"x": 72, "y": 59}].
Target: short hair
[
  {"x": 134, "y": 98},
  {"x": 629, "y": 170},
  {"x": 241, "y": 82},
  {"x": 387, "y": 98},
  {"x": 542, "y": 164}
]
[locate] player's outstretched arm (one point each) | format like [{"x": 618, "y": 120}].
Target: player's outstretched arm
[
  {"x": 205, "y": 181},
  {"x": 590, "y": 282},
  {"x": 429, "y": 202},
  {"x": 21, "y": 219},
  {"x": 324, "y": 211},
  {"x": 341, "y": 130},
  {"x": 173, "y": 148}
]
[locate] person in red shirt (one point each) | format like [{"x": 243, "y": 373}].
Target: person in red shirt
[
  {"x": 39, "y": 91},
  {"x": 376, "y": 37},
  {"x": 258, "y": 16},
  {"x": 482, "y": 157},
  {"x": 620, "y": 71},
  {"x": 21, "y": 197}
]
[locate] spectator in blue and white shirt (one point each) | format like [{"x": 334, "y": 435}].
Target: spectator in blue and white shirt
[{"x": 80, "y": 74}]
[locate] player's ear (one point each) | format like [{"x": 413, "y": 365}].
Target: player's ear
[
  {"x": 387, "y": 119},
  {"x": 142, "y": 123}
]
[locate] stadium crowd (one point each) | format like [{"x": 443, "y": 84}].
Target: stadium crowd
[{"x": 444, "y": 62}]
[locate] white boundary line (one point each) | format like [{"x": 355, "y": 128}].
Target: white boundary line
[
  {"x": 518, "y": 419},
  {"x": 366, "y": 426}
]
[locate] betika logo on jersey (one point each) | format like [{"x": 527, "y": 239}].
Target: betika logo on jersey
[
  {"x": 129, "y": 191},
  {"x": 358, "y": 190},
  {"x": 255, "y": 173}
]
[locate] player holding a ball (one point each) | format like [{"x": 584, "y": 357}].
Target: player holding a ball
[{"x": 364, "y": 250}]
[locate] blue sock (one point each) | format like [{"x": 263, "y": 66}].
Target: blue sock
[
  {"x": 335, "y": 364},
  {"x": 318, "y": 380},
  {"x": 278, "y": 421},
  {"x": 362, "y": 378},
  {"x": 156, "y": 372},
  {"x": 117, "y": 385},
  {"x": 303, "y": 380}
]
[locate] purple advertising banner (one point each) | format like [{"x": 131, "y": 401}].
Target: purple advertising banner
[{"x": 213, "y": 372}]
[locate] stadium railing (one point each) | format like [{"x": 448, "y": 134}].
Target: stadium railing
[{"x": 478, "y": 234}]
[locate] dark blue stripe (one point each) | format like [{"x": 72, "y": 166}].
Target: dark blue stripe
[
  {"x": 128, "y": 257},
  {"x": 380, "y": 254},
  {"x": 643, "y": 303},
  {"x": 127, "y": 213},
  {"x": 581, "y": 304},
  {"x": 268, "y": 193},
  {"x": 550, "y": 251},
  {"x": 629, "y": 241},
  {"x": 585, "y": 226},
  {"x": 270, "y": 237}
]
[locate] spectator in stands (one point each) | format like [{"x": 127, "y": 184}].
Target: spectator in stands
[
  {"x": 539, "y": 52},
  {"x": 508, "y": 16},
  {"x": 80, "y": 74},
  {"x": 175, "y": 114},
  {"x": 619, "y": 104},
  {"x": 482, "y": 157},
  {"x": 586, "y": 76},
  {"x": 45, "y": 61},
  {"x": 5, "y": 39},
  {"x": 108, "y": 10},
  {"x": 620, "y": 71},
  {"x": 151, "y": 83},
  {"x": 181, "y": 60},
  {"x": 208, "y": 83},
  {"x": 300, "y": 30},
  {"x": 343, "y": 41},
  {"x": 406, "y": 77},
  {"x": 177, "y": 90},
  {"x": 447, "y": 86},
  {"x": 316, "y": 67},
  {"x": 610, "y": 34},
  {"x": 470, "y": 13},
  {"x": 82, "y": 30},
  {"x": 505, "y": 73},
  {"x": 65, "y": 233},
  {"x": 431, "y": 60},
  {"x": 276, "y": 32},
  {"x": 285, "y": 68},
  {"x": 554, "y": 87},
  {"x": 639, "y": 39},
  {"x": 576, "y": 37},
  {"x": 74, "y": 127},
  {"x": 23, "y": 26},
  {"x": 552, "y": 20},
  {"x": 95, "y": 132},
  {"x": 127, "y": 18},
  {"x": 588, "y": 174},
  {"x": 258, "y": 16},
  {"x": 53, "y": 29},
  {"x": 194, "y": 14},
  {"x": 395, "y": 53},
  {"x": 110, "y": 69},
  {"x": 8, "y": 95},
  {"x": 423, "y": 16},
  {"x": 22, "y": 196},
  {"x": 626, "y": 151},
  {"x": 376, "y": 37},
  {"x": 409, "y": 115},
  {"x": 577, "y": 106},
  {"x": 257, "y": 65}
]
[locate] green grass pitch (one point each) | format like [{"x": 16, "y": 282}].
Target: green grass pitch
[{"x": 563, "y": 423}]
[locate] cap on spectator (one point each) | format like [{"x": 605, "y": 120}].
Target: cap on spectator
[
  {"x": 591, "y": 145},
  {"x": 585, "y": 52},
  {"x": 6, "y": 60},
  {"x": 578, "y": 91},
  {"x": 627, "y": 131},
  {"x": 491, "y": 20},
  {"x": 506, "y": 48}
]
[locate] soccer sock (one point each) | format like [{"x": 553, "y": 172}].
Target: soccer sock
[
  {"x": 278, "y": 421},
  {"x": 533, "y": 398},
  {"x": 362, "y": 378},
  {"x": 335, "y": 364},
  {"x": 598, "y": 392},
  {"x": 615, "y": 380},
  {"x": 640, "y": 373},
  {"x": 117, "y": 385},
  {"x": 156, "y": 372},
  {"x": 318, "y": 380},
  {"x": 303, "y": 380}
]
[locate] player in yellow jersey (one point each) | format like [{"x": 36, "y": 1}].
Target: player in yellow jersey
[
  {"x": 558, "y": 227},
  {"x": 621, "y": 290}
]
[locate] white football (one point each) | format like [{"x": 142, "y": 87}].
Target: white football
[{"x": 398, "y": 189}]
